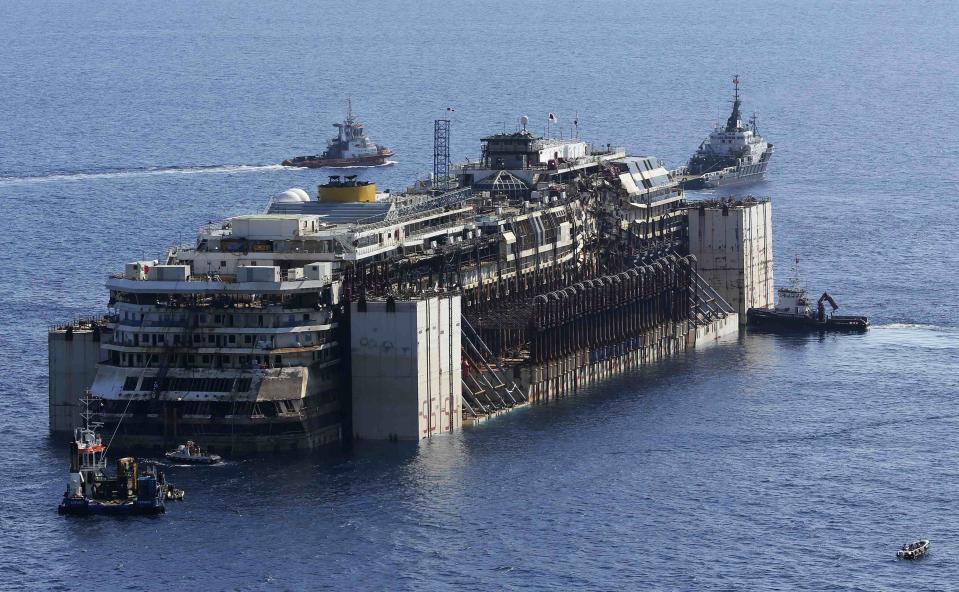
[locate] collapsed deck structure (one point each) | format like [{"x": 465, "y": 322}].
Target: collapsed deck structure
[{"x": 541, "y": 267}]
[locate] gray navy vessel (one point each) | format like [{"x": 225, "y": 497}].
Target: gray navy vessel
[{"x": 733, "y": 153}]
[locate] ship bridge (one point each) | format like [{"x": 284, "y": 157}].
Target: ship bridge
[{"x": 531, "y": 160}]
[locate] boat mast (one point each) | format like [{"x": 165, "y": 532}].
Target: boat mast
[
  {"x": 86, "y": 414},
  {"x": 794, "y": 280},
  {"x": 734, "y": 123}
]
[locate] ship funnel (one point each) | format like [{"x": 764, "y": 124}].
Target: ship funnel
[{"x": 346, "y": 190}]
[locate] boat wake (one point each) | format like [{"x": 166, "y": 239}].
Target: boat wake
[
  {"x": 169, "y": 464},
  {"x": 356, "y": 166},
  {"x": 919, "y": 326},
  {"x": 139, "y": 172}
]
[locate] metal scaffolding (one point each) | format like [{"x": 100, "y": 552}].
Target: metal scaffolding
[{"x": 441, "y": 154}]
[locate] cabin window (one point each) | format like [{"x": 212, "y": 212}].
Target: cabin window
[
  {"x": 232, "y": 339},
  {"x": 247, "y": 339},
  {"x": 222, "y": 263}
]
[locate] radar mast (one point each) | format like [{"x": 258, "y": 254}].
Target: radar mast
[{"x": 734, "y": 123}]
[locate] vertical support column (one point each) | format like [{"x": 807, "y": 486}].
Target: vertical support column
[{"x": 441, "y": 154}]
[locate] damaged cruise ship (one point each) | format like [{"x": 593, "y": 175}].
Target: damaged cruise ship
[{"x": 554, "y": 263}]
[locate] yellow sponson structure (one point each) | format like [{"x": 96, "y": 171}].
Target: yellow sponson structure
[{"x": 347, "y": 192}]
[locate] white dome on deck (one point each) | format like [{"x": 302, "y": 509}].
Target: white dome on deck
[
  {"x": 294, "y": 195},
  {"x": 304, "y": 196}
]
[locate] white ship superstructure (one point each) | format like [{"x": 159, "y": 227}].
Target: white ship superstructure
[
  {"x": 351, "y": 140},
  {"x": 733, "y": 152},
  {"x": 530, "y": 160}
]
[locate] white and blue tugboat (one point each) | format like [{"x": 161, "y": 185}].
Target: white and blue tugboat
[
  {"x": 135, "y": 490},
  {"x": 351, "y": 147},
  {"x": 733, "y": 153}
]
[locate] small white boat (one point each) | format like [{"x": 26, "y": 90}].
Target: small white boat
[
  {"x": 190, "y": 453},
  {"x": 913, "y": 550}
]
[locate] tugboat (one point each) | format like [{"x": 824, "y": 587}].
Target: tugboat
[
  {"x": 914, "y": 550},
  {"x": 731, "y": 154},
  {"x": 135, "y": 490},
  {"x": 351, "y": 147},
  {"x": 192, "y": 454},
  {"x": 793, "y": 313}
]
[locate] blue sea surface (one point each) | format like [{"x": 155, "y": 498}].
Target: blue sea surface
[{"x": 767, "y": 463}]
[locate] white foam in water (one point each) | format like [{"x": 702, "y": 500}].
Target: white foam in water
[
  {"x": 148, "y": 172},
  {"x": 362, "y": 166},
  {"x": 919, "y": 326}
]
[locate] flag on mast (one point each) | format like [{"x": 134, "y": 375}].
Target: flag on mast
[
  {"x": 450, "y": 109},
  {"x": 552, "y": 118}
]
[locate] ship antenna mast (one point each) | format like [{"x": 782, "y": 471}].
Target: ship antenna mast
[
  {"x": 795, "y": 278},
  {"x": 87, "y": 414},
  {"x": 734, "y": 122}
]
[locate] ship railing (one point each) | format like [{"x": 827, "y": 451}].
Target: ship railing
[
  {"x": 299, "y": 323},
  {"x": 300, "y": 247},
  {"x": 424, "y": 232},
  {"x": 212, "y": 228},
  {"x": 167, "y": 323},
  {"x": 83, "y": 322},
  {"x": 593, "y": 157},
  {"x": 436, "y": 202},
  {"x": 404, "y": 217}
]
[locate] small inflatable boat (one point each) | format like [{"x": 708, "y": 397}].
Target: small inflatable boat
[
  {"x": 190, "y": 453},
  {"x": 913, "y": 550}
]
